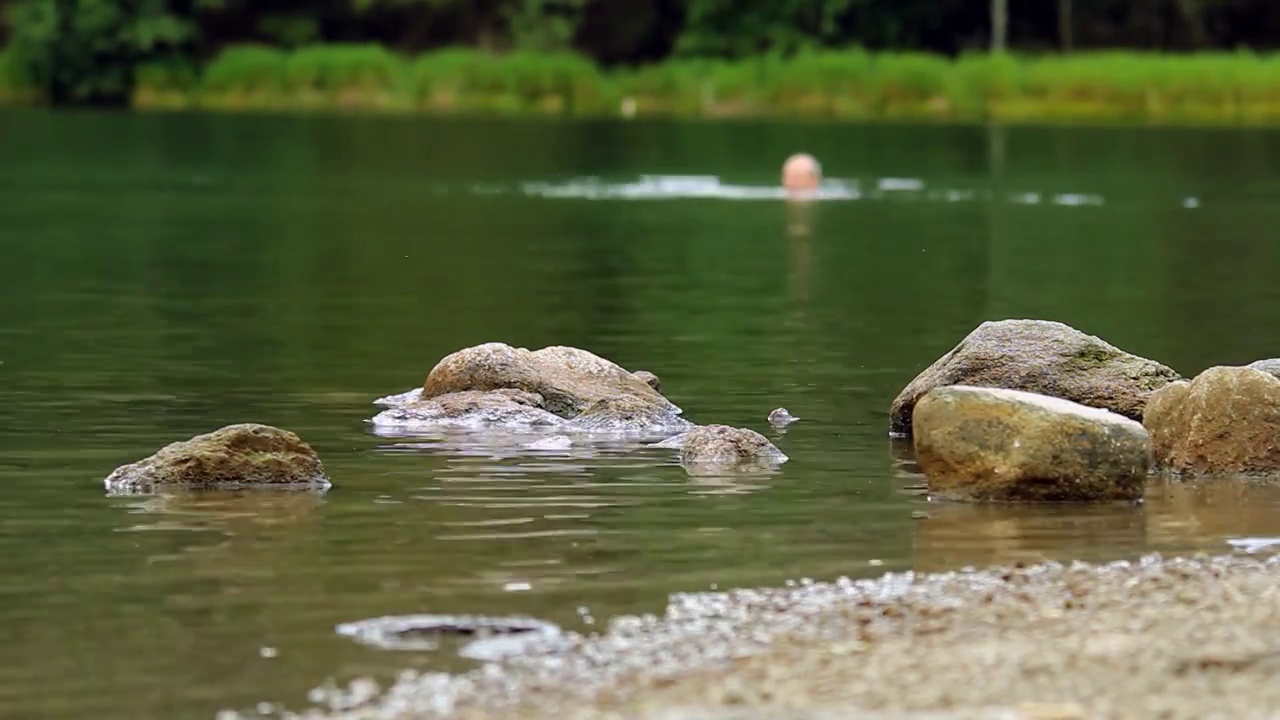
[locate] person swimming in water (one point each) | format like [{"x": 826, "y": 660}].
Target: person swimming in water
[{"x": 801, "y": 173}]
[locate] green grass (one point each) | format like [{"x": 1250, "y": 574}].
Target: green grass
[{"x": 1218, "y": 88}]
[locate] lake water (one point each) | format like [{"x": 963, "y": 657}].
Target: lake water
[{"x": 165, "y": 275}]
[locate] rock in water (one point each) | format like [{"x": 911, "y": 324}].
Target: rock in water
[
  {"x": 1225, "y": 421},
  {"x": 1270, "y": 366},
  {"x": 723, "y": 445},
  {"x": 496, "y": 385},
  {"x": 1008, "y": 445},
  {"x": 1044, "y": 357},
  {"x": 779, "y": 417},
  {"x": 649, "y": 379},
  {"x": 236, "y": 456},
  {"x": 508, "y": 409},
  {"x": 570, "y": 380}
]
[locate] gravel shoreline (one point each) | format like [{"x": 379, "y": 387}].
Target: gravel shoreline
[{"x": 1176, "y": 638}]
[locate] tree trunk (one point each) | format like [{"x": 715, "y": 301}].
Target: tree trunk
[
  {"x": 999, "y": 25},
  {"x": 1066, "y": 40}
]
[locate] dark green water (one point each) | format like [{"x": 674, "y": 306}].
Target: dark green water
[{"x": 166, "y": 275}]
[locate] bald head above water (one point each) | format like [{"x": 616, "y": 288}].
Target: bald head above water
[{"x": 801, "y": 172}]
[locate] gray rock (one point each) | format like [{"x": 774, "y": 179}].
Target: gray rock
[
  {"x": 781, "y": 418},
  {"x": 504, "y": 409},
  {"x": 1044, "y": 357},
  {"x": 1270, "y": 366},
  {"x": 235, "y": 456},
  {"x": 1008, "y": 445},
  {"x": 721, "y": 445},
  {"x": 555, "y": 442},
  {"x": 1224, "y": 422},
  {"x": 399, "y": 399}
]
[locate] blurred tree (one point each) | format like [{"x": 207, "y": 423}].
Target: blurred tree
[{"x": 86, "y": 51}]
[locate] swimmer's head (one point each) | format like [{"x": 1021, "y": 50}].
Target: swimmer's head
[{"x": 801, "y": 172}]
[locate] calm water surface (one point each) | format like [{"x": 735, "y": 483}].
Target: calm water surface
[{"x": 166, "y": 275}]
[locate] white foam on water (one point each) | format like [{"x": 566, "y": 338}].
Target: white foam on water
[
  {"x": 893, "y": 184},
  {"x": 669, "y": 187},
  {"x": 674, "y": 187},
  {"x": 1255, "y": 544}
]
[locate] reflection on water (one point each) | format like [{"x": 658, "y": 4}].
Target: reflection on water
[{"x": 1175, "y": 517}]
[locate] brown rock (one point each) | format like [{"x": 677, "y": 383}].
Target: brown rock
[
  {"x": 1044, "y": 357},
  {"x": 724, "y": 445},
  {"x": 235, "y": 456},
  {"x": 568, "y": 379},
  {"x": 649, "y": 379},
  {"x": 1008, "y": 445},
  {"x": 629, "y": 413},
  {"x": 1226, "y": 421}
]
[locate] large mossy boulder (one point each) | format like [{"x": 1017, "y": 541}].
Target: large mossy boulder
[
  {"x": 236, "y": 456},
  {"x": 497, "y": 386},
  {"x": 1043, "y": 357},
  {"x": 992, "y": 444},
  {"x": 1224, "y": 422}
]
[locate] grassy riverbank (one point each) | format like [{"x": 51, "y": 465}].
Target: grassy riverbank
[{"x": 1117, "y": 86}]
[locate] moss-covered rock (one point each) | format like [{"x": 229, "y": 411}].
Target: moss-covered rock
[
  {"x": 1043, "y": 357},
  {"x": 245, "y": 455},
  {"x": 1007, "y": 445},
  {"x": 1224, "y": 422}
]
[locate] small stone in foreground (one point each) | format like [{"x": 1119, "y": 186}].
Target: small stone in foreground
[
  {"x": 1008, "y": 445},
  {"x": 1225, "y": 421},
  {"x": 236, "y": 456}
]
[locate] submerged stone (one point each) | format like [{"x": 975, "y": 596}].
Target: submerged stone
[
  {"x": 245, "y": 455},
  {"x": 721, "y": 445},
  {"x": 1043, "y": 357},
  {"x": 1225, "y": 421},
  {"x": 505, "y": 409},
  {"x": 626, "y": 414},
  {"x": 1007, "y": 445},
  {"x": 424, "y": 632}
]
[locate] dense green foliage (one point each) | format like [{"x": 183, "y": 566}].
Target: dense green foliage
[
  {"x": 1208, "y": 87},
  {"x": 77, "y": 51}
]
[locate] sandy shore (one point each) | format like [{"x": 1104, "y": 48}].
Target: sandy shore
[{"x": 1155, "y": 638}]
